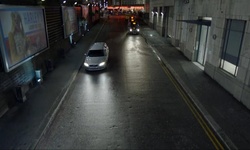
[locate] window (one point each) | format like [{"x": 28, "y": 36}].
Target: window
[
  {"x": 233, "y": 37},
  {"x": 96, "y": 53}
]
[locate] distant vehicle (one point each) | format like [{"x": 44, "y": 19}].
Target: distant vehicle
[
  {"x": 132, "y": 19},
  {"x": 133, "y": 27},
  {"x": 97, "y": 57}
]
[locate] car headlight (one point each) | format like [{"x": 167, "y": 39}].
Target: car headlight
[
  {"x": 130, "y": 30},
  {"x": 86, "y": 64},
  {"x": 137, "y": 30},
  {"x": 102, "y": 64}
]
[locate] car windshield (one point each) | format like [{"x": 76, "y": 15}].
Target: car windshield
[{"x": 96, "y": 53}]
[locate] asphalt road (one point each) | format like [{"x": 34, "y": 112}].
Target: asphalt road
[{"x": 132, "y": 104}]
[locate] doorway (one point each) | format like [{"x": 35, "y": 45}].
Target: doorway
[{"x": 203, "y": 32}]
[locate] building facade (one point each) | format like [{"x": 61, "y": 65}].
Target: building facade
[
  {"x": 16, "y": 82},
  {"x": 212, "y": 33},
  {"x": 127, "y": 2}
]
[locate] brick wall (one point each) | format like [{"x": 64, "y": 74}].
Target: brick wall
[
  {"x": 19, "y": 76},
  {"x": 25, "y": 73},
  {"x": 22, "y": 75}
]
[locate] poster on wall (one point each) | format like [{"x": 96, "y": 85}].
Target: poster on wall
[
  {"x": 69, "y": 21},
  {"x": 85, "y": 11},
  {"x": 23, "y": 34}
]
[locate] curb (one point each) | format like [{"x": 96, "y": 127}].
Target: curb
[
  {"x": 217, "y": 129},
  {"x": 60, "y": 99}
]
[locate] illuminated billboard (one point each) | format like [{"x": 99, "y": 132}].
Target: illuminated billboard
[
  {"x": 95, "y": 12},
  {"x": 85, "y": 11},
  {"x": 69, "y": 21},
  {"x": 23, "y": 34}
]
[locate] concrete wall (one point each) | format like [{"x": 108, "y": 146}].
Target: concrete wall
[
  {"x": 23, "y": 76},
  {"x": 183, "y": 35},
  {"x": 156, "y": 20},
  {"x": 239, "y": 85}
]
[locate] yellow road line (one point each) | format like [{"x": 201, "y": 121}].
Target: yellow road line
[{"x": 193, "y": 109}]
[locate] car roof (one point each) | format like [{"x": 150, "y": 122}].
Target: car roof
[{"x": 97, "y": 46}]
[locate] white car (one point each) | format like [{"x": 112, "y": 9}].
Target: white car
[{"x": 97, "y": 57}]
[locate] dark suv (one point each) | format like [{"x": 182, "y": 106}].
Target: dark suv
[{"x": 133, "y": 27}]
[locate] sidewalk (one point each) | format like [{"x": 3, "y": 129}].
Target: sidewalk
[
  {"x": 227, "y": 116},
  {"x": 23, "y": 125}
]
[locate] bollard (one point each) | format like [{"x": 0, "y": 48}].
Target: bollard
[{"x": 38, "y": 76}]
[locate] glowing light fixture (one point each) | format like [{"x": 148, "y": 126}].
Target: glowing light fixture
[
  {"x": 102, "y": 64},
  {"x": 85, "y": 64}
]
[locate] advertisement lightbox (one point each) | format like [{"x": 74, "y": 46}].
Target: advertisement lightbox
[
  {"x": 85, "y": 11},
  {"x": 23, "y": 34},
  {"x": 69, "y": 21}
]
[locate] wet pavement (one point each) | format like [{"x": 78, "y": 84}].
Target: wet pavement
[
  {"x": 226, "y": 115},
  {"x": 23, "y": 126},
  {"x": 130, "y": 105}
]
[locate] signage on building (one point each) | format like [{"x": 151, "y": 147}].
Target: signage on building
[
  {"x": 23, "y": 34},
  {"x": 85, "y": 12},
  {"x": 69, "y": 21}
]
